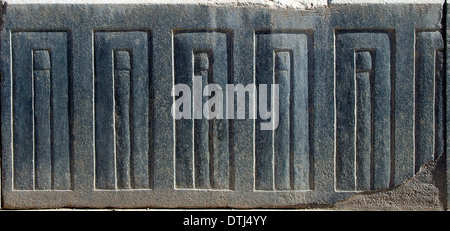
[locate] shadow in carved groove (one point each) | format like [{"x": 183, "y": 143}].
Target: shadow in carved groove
[
  {"x": 429, "y": 97},
  {"x": 284, "y": 158},
  {"x": 363, "y": 101},
  {"x": 203, "y": 148},
  {"x": 123, "y": 110},
  {"x": 42, "y": 110}
]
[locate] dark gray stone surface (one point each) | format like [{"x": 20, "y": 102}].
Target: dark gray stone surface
[
  {"x": 87, "y": 96},
  {"x": 2, "y": 7},
  {"x": 363, "y": 127},
  {"x": 447, "y": 104}
]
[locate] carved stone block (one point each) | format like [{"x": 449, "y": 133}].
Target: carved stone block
[{"x": 280, "y": 108}]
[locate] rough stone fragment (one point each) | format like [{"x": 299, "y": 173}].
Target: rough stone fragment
[{"x": 426, "y": 191}]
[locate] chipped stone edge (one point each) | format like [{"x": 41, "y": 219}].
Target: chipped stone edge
[{"x": 431, "y": 167}]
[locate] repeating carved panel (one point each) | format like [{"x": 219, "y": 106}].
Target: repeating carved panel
[
  {"x": 203, "y": 157},
  {"x": 283, "y": 160},
  {"x": 429, "y": 97},
  {"x": 41, "y": 111},
  {"x": 123, "y": 157},
  {"x": 363, "y": 109}
]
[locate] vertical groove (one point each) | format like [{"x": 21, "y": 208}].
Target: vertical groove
[
  {"x": 382, "y": 131},
  {"x": 281, "y": 137},
  {"x": 33, "y": 123},
  {"x": 363, "y": 127},
  {"x": 122, "y": 82},
  {"x": 264, "y": 161},
  {"x": 212, "y": 129},
  {"x": 42, "y": 119},
  {"x": 131, "y": 112},
  {"x": 292, "y": 175},
  {"x": 151, "y": 118},
  {"x": 211, "y": 135},
  {"x": 231, "y": 171},
  {"x": 60, "y": 118},
  {"x": 52, "y": 133},
  {"x": 446, "y": 93},
  {"x": 184, "y": 128},
  {"x": 439, "y": 104},
  {"x": 70, "y": 113},
  {"x": 364, "y": 115},
  {"x": 345, "y": 112},
  {"x": 230, "y": 132},
  {"x": 310, "y": 113},
  {"x": 139, "y": 115},
  {"x": 429, "y": 43},
  {"x": 114, "y": 131},
  {"x": 33, "y": 136},
  {"x": 105, "y": 158},
  {"x": 202, "y": 128},
  {"x": 372, "y": 139},
  {"x": 391, "y": 176}
]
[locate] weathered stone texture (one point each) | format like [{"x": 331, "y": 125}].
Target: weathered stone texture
[
  {"x": 426, "y": 191},
  {"x": 447, "y": 104},
  {"x": 87, "y": 106}
]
